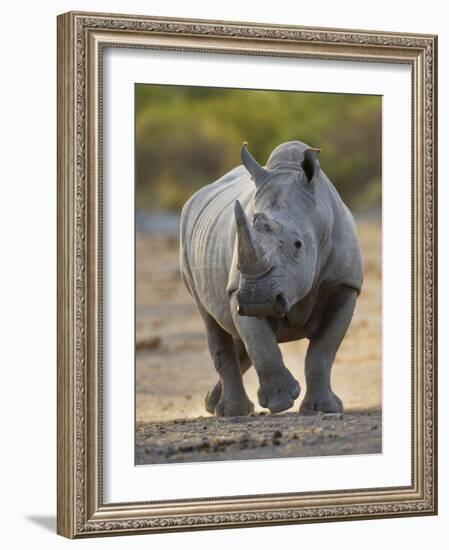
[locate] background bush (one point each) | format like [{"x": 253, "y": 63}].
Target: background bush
[{"x": 187, "y": 137}]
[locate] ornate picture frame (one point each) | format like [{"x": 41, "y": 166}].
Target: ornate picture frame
[{"x": 82, "y": 38}]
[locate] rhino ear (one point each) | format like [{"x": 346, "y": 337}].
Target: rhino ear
[{"x": 310, "y": 164}]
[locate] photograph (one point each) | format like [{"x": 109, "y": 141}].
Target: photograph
[{"x": 258, "y": 274}]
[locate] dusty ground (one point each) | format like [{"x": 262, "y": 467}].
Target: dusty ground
[
  {"x": 260, "y": 436},
  {"x": 174, "y": 373}
]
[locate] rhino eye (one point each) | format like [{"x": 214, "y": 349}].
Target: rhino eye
[
  {"x": 258, "y": 218},
  {"x": 262, "y": 223},
  {"x": 297, "y": 244}
]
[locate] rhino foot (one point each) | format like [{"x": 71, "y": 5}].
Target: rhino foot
[
  {"x": 326, "y": 402},
  {"x": 241, "y": 406},
  {"x": 212, "y": 398},
  {"x": 278, "y": 390}
]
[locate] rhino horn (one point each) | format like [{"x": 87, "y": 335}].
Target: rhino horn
[
  {"x": 258, "y": 172},
  {"x": 251, "y": 258}
]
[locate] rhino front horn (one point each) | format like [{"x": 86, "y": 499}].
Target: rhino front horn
[
  {"x": 251, "y": 258},
  {"x": 257, "y": 172}
]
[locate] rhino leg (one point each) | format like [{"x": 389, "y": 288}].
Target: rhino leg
[
  {"x": 321, "y": 353},
  {"x": 278, "y": 389},
  {"x": 213, "y": 396},
  {"x": 233, "y": 400}
]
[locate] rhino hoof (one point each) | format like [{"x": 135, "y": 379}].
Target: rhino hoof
[
  {"x": 234, "y": 407},
  {"x": 327, "y": 403},
  {"x": 279, "y": 393},
  {"x": 212, "y": 398}
]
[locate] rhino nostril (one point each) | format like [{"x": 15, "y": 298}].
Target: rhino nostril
[{"x": 281, "y": 303}]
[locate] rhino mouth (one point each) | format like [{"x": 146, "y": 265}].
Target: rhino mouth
[{"x": 274, "y": 307}]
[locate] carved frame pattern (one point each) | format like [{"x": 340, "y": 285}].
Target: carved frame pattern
[{"x": 81, "y": 39}]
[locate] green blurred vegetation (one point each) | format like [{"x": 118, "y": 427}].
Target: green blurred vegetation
[{"x": 187, "y": 137}]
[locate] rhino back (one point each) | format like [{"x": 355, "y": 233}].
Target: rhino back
[
  {"x": 207, "y": 240},
  {"x": 344, "y": 263}
]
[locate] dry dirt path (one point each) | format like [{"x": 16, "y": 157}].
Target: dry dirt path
[{"x": 272, "y": 436}]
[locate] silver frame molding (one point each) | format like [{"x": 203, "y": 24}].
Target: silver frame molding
[{"x": 81, "y": 39}]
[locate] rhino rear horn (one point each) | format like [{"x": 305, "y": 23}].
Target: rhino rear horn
[
  {"x": 257, "y": 172},
  {"x": 251, "y": 258},
  {"x": 311, "y": 164}
]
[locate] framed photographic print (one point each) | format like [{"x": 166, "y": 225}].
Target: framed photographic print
[{"x": 246, "y": 274}]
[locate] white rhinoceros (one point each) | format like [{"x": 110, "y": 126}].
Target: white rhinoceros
[{"x": 270, "y": 254}]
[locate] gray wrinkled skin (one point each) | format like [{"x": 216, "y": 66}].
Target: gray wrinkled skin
[{"x": 270, "y": 254}]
